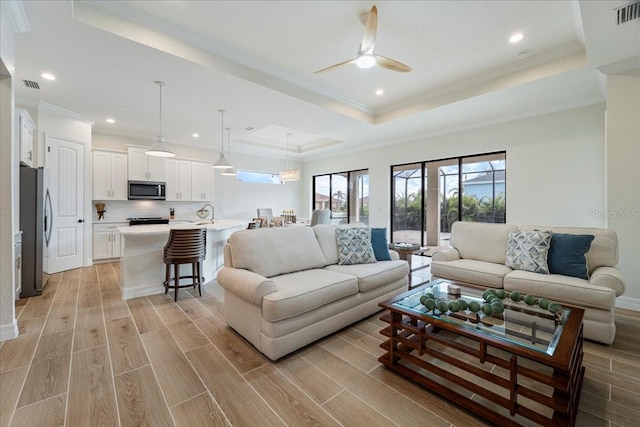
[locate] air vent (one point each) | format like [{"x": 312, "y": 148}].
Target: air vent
[
  {"x": 31, "y": 84},
  {"x": 628, "y": 13}
]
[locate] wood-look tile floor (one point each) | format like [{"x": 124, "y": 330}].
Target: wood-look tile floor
[{"x": 85, "y": 357}]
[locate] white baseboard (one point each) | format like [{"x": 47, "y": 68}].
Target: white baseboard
[
  {"x": 628, "y": 303},
  {"x": 9, "y": 331}
]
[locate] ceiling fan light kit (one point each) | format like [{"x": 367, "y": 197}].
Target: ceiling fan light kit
[
  {"x": 366, "y": 58},
  {"x": 160, "y": 148}
]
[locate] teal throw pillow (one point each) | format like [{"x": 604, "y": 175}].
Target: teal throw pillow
[
  {"x": 379, "y": 243},
  {"x": 354, "y": 246},
  {"x": 567, "y": 254}
]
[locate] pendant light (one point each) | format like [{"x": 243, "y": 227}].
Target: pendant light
[
  {"x": 230, "y": 171},
  {"x": 160, "y": 148},
  {"x": 221, "y": 163},
  {"x": 289, "y": 174}
]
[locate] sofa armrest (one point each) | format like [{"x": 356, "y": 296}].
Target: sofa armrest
[
  {"x": 450, "y": 254},
  {"x": 245, "y": 284},
  {"x": 395, "y": 256},
  {"x": 609, "y": 277}
]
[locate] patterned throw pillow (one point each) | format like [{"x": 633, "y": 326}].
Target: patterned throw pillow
[
  {"x": 528, "y": 251},
  {"x": 354, "y": 246}
]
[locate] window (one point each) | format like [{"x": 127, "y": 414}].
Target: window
[
  {"x": 428, "y": 197},
  {"x": 258, "y": 177},
  {"x": 346, "y": 194}
]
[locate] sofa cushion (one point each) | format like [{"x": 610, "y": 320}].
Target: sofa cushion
[
  {"x": 471, "y": 271},
  {"x": 354, "y": 246},
  {"x": 604, "y": 247},
  {"x": 563, "y": 289},
  {"x": 528, "y": 250},
  {"x": 304, "y": 291},
  {"x": 566, "y": 254},
  {"x": 481, "y": 241},
  {"x": 274, "y": 251},
  {"x": 379, "y": 243},
  {"x": 371, "y": 276}
]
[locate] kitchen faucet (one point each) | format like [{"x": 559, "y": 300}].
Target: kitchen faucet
[{"x": 202, "y": 213}]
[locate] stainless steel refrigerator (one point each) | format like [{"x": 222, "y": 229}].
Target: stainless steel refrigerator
[{"x": 35, "y": 223}]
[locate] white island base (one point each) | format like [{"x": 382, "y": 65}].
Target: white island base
[{"x": 142, "y": 271}]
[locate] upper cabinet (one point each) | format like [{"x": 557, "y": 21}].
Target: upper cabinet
[
  {"x": 178, "y": 180},
  {"x": 142, "y": 167},
  {"x": 201, "y": 182},
  {"x": 109, "y": 175},
  {"x": 26, "y": 130}
]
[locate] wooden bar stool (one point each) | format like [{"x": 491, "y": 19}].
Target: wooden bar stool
[{"x": 185, "y": 246}]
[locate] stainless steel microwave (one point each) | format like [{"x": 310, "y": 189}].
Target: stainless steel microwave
[{"x": 147, "y": 190}]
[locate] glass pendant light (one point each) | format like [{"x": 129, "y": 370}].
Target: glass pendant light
[
  {"x": 289, "y": 174},
  {"x": 160, "y": 148},
  {"x": 230, "y": 171},
  {"x": 221, "y": 163}
]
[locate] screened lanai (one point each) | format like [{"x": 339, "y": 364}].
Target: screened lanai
[{"x": 428, "y": 197}]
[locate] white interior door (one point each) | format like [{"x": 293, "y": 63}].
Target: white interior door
[{"x": 66, "y": 186}]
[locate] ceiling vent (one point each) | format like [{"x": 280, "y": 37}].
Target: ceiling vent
[
  {"x": 31, "y": 84},
  {"x": 627, "y": 13}
]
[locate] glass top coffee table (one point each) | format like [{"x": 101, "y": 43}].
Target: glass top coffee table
[{"x": 520, "y": 364}]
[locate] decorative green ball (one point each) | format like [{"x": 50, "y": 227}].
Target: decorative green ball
[
  {"x": 487, "y": 309},
  {"x": 543, "y": 303},
  {"x": 554, "y": 307},
  {"x": 529, "y": 299},
  {"x": 430, "y": 303},
  {"x": 463, "y": 304},
  {"x": 501, "y": 293},
  {"x": 443, "y": 306},
  {"x": 515, "y": 296},
  {"x": 474, "y": 306},
  {"x": 423, "y": 299},
  {"x": 454, "y": 307},
  {"x": 485, "y": 294},
  {"x": 430, "y": 295},
  {"x": 498, "y": 308}
]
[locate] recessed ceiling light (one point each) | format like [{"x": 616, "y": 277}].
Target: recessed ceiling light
[
  {"x": 516, "y": 38},
  {"x": 110, "y": 120},
  {"x": 196, "y": 135},
  {"x": 379, "y": 92},
  {"x": 48, "y": 76}
]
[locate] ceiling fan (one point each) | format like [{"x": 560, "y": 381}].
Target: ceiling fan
[{"x": 366, "y": 57}]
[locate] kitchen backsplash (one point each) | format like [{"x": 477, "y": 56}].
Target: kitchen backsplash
[{"x": 121, "y": 210}]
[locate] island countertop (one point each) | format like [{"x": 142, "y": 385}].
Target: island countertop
[
  {"x": 141, "y": 254},
  {"x": 147, "y": 230}
]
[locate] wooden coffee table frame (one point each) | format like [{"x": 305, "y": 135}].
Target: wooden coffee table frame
[{"x": 409, "y": 353}]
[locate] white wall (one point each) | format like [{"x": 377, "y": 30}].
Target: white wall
[
  {"x": 555, "y": 166},
  {"x": 232, "y": 199},
  {"x": 623, "y": 177},
  {"x": 8, "y": 176}
]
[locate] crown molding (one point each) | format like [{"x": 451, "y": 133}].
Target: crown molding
[{"x": 62, "y": 112}]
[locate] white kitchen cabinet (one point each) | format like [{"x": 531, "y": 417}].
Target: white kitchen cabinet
[
  {"x": 142, "y": 167},
  {"x": 109, "y": 175},
  {"x": 178, "y": 180},
  {"x": 106, "y": 240},
  {"x": 201, "y": 182},
  {"x": 26, "y": 130}
]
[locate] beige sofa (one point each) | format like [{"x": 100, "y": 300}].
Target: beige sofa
[
  {"x": 284, "y": 288},
  {"x": 478, "y": 256}
]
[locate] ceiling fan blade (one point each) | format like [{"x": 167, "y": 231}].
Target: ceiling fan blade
[
  {"x": 370, "y": 31},
  {"x": 336, "y": 66},
  {"x": 391, "y": 64}
]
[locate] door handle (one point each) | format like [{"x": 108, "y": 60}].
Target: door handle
[{"x": 81, "y": 220}]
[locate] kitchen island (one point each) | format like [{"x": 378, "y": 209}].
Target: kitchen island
[{"x": 142, "y": 271}]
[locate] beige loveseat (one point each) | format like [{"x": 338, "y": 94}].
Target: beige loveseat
[
  {"x": 478, "y": 256},
  {"x": 284, "y": 289}
]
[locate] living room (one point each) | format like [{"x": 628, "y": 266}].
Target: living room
[{"x": 570, "y": 162}]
